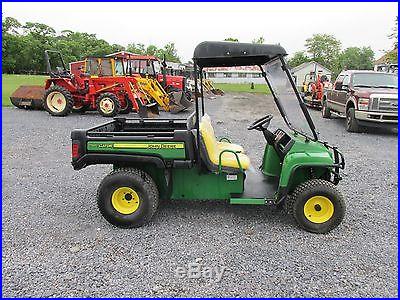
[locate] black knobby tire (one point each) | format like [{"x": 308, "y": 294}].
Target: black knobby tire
[
  {"x": 351, "y": 121},
  {"x": 112, "y": 100},
  {"x": 325, "y": 110},
  {"x": 127, "y": 108},
  {"x": 52, "y": 110},
  {"x": 143, "y": 185},
  {"x": 305, "y": 191}
]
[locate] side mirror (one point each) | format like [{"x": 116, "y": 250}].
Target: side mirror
[{"x": 345, "y": 87}]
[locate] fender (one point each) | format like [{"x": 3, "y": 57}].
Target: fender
[
  {"x": 351, "y": 99},
  {"x": 296, "y": 160}
]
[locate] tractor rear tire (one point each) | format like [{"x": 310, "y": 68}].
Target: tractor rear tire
[
  {"x": 108, "y": 105},
  {"x": 57, "y": 101},
  {"x": 325, "y": 110},
  {"x": 317, "y": 206},
  {"x": 351, "y": 121},
  {"x": 127, "y": 108},
  {"x": 127, "y": 197}
]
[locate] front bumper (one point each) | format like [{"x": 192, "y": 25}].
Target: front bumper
[{"x": 377, "y": 119}]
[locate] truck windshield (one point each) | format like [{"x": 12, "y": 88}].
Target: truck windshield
[
  {"x": 286, "y": 96},
  {"x": 384, "y": 80}
]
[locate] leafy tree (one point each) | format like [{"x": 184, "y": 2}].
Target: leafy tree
[
  {"x": 170, "y": 52},
  {"x": 298, "y": 58},
  {"x": 230, "y": 39},
  {"x": 259, "y": 40},
  {"x": 355, "y": 58},
  {"x": 10, "y": 25},
  {"x": 23, "y": 46},
  {"x": 136, "y": 48},
  {"x": 324, "y": 49},
  {"x": 394, "y": 34}
]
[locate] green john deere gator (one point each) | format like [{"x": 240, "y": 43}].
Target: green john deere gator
[{"x": 182, "y": 159}]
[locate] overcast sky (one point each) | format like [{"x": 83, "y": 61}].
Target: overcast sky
[{"x": 187, "y": 24}]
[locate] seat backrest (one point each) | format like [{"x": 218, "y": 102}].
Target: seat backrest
[{"x": 210, "y": 142}]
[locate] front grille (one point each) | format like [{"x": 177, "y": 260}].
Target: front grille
[{"x": 384, "y": 104}]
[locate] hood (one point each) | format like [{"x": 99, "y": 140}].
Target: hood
[{"x": 365, "y": 92}]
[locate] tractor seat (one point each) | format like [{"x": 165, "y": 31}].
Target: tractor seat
[
  {"x": 210, "y": 152},
  {"x": 221, "y": 145}
]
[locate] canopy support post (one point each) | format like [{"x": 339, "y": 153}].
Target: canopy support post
[
  {"x": 196, "y": 97},
  {"x": 201, "y": 89}
]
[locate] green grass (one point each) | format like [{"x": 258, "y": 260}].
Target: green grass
[
  {"x": 11, "y": 82},
  {"x": 242, "y": 87}
]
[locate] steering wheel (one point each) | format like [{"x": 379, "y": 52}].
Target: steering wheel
[{"x": 259, "y": 123}]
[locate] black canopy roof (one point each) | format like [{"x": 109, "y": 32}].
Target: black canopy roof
[{"x": 230, "y": 54}]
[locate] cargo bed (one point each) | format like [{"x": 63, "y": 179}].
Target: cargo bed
[{"x": 163, "y": 142}]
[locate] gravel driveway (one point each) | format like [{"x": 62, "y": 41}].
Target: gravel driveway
[{"x": 55, "y": 242}]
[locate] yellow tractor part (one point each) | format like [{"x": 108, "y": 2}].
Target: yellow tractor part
[
  {"x": 208, "y": 85},
  {"x": 154, "y": 91}
]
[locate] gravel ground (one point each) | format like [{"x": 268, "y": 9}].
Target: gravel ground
[{"x": 55, "y": 242}]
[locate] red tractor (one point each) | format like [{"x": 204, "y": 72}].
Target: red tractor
[
  {"x": 93, "y": 85},
  {"x": 151, "y": 65}
]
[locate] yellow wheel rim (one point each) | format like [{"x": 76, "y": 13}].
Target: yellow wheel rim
[
  {"x": 125, "y": 200},
  {"x": 318, "y": 209},
  {"x": 56, "y": 101}
]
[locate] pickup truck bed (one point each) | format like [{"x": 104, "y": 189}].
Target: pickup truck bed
[{"x": 163, "y": 142}]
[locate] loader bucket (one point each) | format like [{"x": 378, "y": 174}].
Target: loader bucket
[
  {"x": 181, "y": 99},
  {"x": 218, "y": 92},
  {"x": 28, "y": 96},
  {"x": 149, "y": 110}
]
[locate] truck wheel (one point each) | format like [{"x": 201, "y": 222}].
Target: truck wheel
[
  {"x": 351, "y": 121},
  {"x": 326, "y": 111},
  {"x": 317, "y": 206},
  {"x": 108, "y": 105},
  {"x": 127, "y": 107},
  {"x": 57, "y": 101},
  {"x": 127, "y": 198}
]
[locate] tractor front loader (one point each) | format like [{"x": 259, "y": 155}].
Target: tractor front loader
[{"x": 173, "y": 102}]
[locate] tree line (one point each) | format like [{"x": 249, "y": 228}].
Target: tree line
[
  {"x": 23, "y": 46},
  {"x": 326, "y": 50}
]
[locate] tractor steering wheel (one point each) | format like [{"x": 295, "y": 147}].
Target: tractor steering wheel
[{"x": 259, "y": 123}]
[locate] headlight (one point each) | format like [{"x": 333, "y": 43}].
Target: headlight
[{"x": 363, "y": 103}]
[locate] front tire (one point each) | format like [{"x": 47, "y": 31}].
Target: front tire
[
  {"x": 351, "y": 121},
  {"x": 57, "y": 101},
  {"x": 108, "y": 105},
  {"x": 127, "y": 198},
  {"x": 127, "y": 107},
  {"x": 317, "y": 206},
  {"x": 326, "y": 111}
]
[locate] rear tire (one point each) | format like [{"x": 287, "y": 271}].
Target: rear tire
[
  {"x": 57, "y": 101},
  {"x": 351, "y": 121},
  {"x": 108, "y": 105},
  {"x": 127, "y": 197},
  {"x": 326, "y": 111},
  {"x": 317, "y": 206}
]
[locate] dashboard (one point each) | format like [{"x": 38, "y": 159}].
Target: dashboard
[{"x": 282, "y": 143}]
